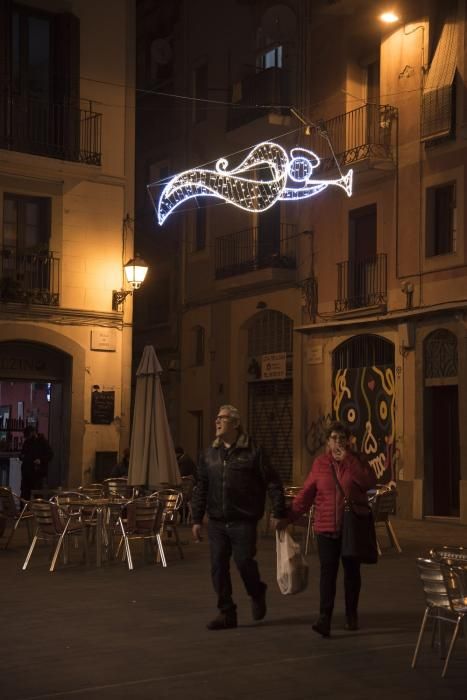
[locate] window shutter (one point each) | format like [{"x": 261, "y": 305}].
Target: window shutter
[
  {"x": 67, "y": 58},
  {"x": 5, "y": 44},
  {"x": 66, "y": 83},
  {"x": 438, "y": 89}
]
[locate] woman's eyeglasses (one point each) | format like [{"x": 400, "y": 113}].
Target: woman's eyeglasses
[{"x": 338, "y": 437}]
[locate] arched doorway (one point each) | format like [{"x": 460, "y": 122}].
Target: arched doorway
[
  {"x": 363, "y": 398},
  {"x": 441, "y": 424},
  {"x": 270, "y": 412},
  {"x": 35, "y": 389}
]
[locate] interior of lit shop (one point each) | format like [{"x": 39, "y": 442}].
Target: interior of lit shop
[{"x": 22, "y": 403}]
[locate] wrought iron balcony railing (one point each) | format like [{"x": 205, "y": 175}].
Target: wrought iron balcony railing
[
  {"x": 47, "y": 129},
  {"x": 29, "y": 277},
  {"x": 366, "y": 132},
  {"x": 361, "y": 283},
  {"x": 253, "y": 249},
  {"x": 266, "y": 87}
]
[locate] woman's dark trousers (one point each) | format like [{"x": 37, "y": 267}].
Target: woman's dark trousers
[
  {"x": 329, "y": 551},
  {"x": 238, "y": 540}
]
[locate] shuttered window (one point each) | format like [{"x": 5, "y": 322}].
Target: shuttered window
[{"x": 438, "y": 91}]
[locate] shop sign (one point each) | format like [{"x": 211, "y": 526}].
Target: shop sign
[
  {"x": 274, "y": 365},
  {"x": 314, "y": 354},
  {"x": 104, "y": 339}
]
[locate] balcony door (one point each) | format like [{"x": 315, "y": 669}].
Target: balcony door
[
  {"x": 441, "y": 435},
  {"x": 39, "y": 64},
  {"x": 362, "y": 255},
  {"x": 269, "y": 237}
]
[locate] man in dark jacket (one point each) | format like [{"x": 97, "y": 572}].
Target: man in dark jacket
[
  {"x": 233, "y": 477},
  {"x": 35, "y": 457}
]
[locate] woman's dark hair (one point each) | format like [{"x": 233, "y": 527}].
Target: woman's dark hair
[{"x": 337, "y": 427}]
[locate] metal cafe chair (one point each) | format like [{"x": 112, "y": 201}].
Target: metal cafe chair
[
  {"x": 455, "y": 580},
  {"x": 117, "y": 487},
  {"x": 452, "y": 553},
  {"x": 383, "y": 505},
  {"x": 66, "y": 500},
  {"x": 143, "y": 522},
  {"x": 171, "y": 500},
  {"x": 11, "y": 516},
  {"x": 92, "y": 490},
  {"x": 53, "y": 524},
  {"x": 438, "y": 608},
  {"x": 186, "y": 486},
  {"x": 305, "y": 521}
]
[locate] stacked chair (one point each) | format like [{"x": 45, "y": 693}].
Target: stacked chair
[{"x": 443, "y": 573}]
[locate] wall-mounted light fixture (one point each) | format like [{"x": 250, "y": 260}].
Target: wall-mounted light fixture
[
  {"x": 135, "y": 272},
  {"x": 389, "y": 17}
]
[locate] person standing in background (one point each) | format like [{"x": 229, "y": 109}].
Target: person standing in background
[{"x": 35, "y": 456}]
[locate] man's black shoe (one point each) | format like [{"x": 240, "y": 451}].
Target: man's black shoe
[
  {"x": 352, "y": 623},
  {"x": 258, "y": 606},
  {"x": 224, "y": 621},
  {"x": 322, "y": 626}
]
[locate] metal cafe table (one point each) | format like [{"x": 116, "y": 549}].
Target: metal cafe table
[{"x": 102, "y": 507}]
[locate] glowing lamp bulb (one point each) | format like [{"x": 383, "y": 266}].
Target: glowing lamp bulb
[{"x": 389, "y": 17}]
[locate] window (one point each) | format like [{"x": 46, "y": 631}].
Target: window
[
  {"x": 270, "y": 59},
  {"x": 372, "y": 82},
  {"x": 199, "y": 238},
  {"x": 160, "y": 60},
  {"x": 198, "y": 430},
  {"x": 26, "y": 223},
  {"x": 439, "y": 96},
  {"x": 441, "y": 220},
  {"x": 200, "y": 92},
  {"x": 198, "y": 346},
  {"x": 30, "y": 52}
]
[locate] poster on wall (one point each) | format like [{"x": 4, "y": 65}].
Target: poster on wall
[
  {"x": 102, "y": 407},
  {"x": 364, "y": 400}
]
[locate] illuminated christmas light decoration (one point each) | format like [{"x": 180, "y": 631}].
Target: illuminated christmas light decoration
[{"x": 267, "y": 175}]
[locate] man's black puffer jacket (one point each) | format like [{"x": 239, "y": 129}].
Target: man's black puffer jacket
[{"x": 235, "y": 488}]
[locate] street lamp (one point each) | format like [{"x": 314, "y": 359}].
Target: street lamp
[
  {"x": 389, "y": 17},
  {"x": 135, "y": 272}
]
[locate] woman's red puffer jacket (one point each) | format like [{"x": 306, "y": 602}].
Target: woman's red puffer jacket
[{"x": 320, "y": 489}]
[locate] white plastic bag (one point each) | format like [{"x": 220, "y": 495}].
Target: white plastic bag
[{"x": 292, "y": 568}]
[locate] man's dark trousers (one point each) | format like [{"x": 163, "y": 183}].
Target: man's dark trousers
[{"x": 237, "y": 539}]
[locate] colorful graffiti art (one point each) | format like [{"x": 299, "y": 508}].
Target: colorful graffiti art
[{"x": 364, "y": 400}]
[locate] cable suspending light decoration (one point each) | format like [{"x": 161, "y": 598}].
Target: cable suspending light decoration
[{"x": 285, "y": 178}]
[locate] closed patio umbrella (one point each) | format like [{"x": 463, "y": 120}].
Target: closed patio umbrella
[{"x": 152, "y": 454}]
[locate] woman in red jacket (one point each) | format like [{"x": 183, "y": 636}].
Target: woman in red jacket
[{"x": 320, "y": 489}]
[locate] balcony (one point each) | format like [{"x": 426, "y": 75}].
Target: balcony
[
  {"x": 251, "y": 250},
  {"x": 361, "y": 284},
  {"x": 267, "y": 87},
  {"x": 364, "y": 135},
  {"x": 28, "y": 277},
  {"x": 48, "y": 129}
]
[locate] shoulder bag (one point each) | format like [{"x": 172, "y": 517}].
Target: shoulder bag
[{"x": 358, "y": 530}]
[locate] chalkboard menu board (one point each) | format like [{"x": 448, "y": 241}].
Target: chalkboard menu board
[{"x": 102, "y": 407}]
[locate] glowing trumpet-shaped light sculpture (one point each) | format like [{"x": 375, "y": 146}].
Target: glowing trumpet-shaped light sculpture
[{"x": 267, "y": 175}]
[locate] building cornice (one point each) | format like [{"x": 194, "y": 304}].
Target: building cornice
[
  {"x": 36, "y": 313},
  {"x": 337, "y": 321}
]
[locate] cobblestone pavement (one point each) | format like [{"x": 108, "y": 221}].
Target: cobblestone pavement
[{"x": 108, "y": 633}]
